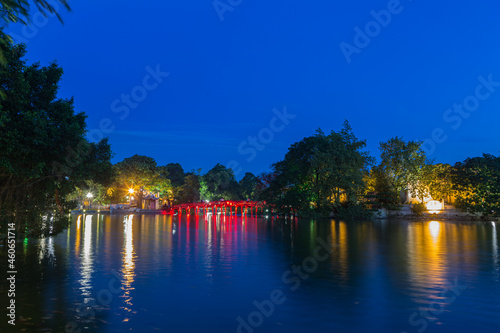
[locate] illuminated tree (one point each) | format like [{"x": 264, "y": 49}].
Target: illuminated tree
[
  {"x": 476, "y": 185},
  {"x": 321, "y": 173},
  {"x": 402, "y": 163},
  {"x": 140, "y": 173},
  {"x": 219, "y": 183}
]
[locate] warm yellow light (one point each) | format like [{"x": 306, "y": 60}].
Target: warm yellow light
[
  {"x": 434, "y": 228},
  {"x": 434, "y": 206},
  {"x": 130, "y": 190}
]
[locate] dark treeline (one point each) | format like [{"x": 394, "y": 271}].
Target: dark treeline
[{"x": 47, "y": 166}]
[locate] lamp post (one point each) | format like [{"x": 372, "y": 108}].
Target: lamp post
[
  {"x": 90, "y": 196},
  {"x": 130, "y": 191}
]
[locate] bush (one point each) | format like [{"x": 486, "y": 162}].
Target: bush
[
  {"x": 418, "y": 209},
  {"x": 349, "y": 210}
]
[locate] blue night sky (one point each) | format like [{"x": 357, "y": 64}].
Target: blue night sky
[{"x": 226, "y": 76}]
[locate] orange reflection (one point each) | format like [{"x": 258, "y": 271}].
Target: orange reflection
[
  {"x": 340, "y": 251},
  {"x": 78, "y": 231},
  {"x": 426, "y": 256},
  {"x": 434, "y": 228}
]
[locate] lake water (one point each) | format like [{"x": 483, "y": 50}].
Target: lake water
[{"x": 146, "y": 273}]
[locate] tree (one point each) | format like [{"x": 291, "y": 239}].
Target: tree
[
  {"x": 13, "y": 11},
  {"x": 44, "y": 154},
  {"x": 79, "y": 195},
  {"x": 438, "y": 181},
  {"x": 141, "y": 173},
  {"x": 175, "y": 174},
  {"x": 402, "y": 164},
  {"x": 476, "y": 185},
  {"x": 219, "y": 183},
  {"x": 190, "y": 191},
  {"x": 249, "y": 185},
  {"x": 320, "y": 172},
  {"x": 380, "y": 191}
]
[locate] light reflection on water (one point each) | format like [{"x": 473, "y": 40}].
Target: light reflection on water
[
  {"x": 494, "y": 245},
  {"x": 200, "y": 272},
  {"x": 87, "y": 261},
  {"x": 128, "y": 256}
]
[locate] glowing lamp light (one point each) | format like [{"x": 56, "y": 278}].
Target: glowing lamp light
[
  {"x": 90, "y": 195},
  {"x": 434, "y": 206},
  {"x": 434, "y": 228},
  {"x": 131, "y": 190}
]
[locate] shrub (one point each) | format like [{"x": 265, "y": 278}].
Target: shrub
[
  {"x": 349, "y": 210},
  {"x": 418, "y": 209}
]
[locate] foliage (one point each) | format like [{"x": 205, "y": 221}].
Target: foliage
[
  {"x": 439, "y": 181},
  {"x": 249, "y": 186},
  {"x": 379, "y": 190},
  {"x": 141, "y": 173},
  {"x": 354, "y": 210},
  {"x": 175, "y": 174},
  {"x": 319, "y": 173},
  {"x": 418, "y": 208},
  {"x": 476, "y": 185},
  {"x": 219, "y": 183},
  {"x": 402, "y": 163},
  {"x": 190, "y": 191},
  {"x": 13, "y": 11},
  {"x": 44, "y": 154}
]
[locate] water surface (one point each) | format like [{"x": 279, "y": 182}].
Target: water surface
[{"x": 148, "y": 273}]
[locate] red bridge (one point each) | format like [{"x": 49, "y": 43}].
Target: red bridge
[{"x": 226, "y": 207}]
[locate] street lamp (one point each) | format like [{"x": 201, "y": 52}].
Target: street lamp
[
  {"x": 131, "y": 191},
  {"x": 90, "y": 196}
]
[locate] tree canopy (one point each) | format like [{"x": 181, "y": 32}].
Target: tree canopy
[
  {"x": 402, "y": 164},
  {"x": 44, "y": 154},
  {"x": 476, "y": 185},
  {"x": 140, "y": 173},
  {"x": 320, "y": 172},
  {"x": 219, "y": 183}
]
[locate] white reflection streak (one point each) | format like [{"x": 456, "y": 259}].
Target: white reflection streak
[
  {"x": 495, "y": 250},
  {"x": 41, "y": 250},
  {"x": 128, "y": 260},
  {"x": 87, "y": 260},
  {"x": 50, "y": 250},
  {"x": 209, "y": 267},
  {"x": 434, "y": 227}
]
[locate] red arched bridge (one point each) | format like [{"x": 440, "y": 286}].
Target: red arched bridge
[{"x": 228, "y": 207}]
